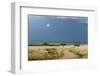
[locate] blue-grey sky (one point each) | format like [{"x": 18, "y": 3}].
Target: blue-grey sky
[{"x": 57, "y": 29}]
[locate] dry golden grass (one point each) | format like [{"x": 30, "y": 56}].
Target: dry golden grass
[
  {"x": 44, "y": 52},
  {"x": 57, "y": 52}
]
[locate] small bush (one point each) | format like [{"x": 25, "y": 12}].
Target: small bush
[
  {"x": 45, "y": 44},
  {"x": 77, "y": 45},
  {"x": 54, "y": 53}
]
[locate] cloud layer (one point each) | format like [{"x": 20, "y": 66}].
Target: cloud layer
[{"x": 74, "y": 18}]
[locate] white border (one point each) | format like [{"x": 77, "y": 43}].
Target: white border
[{"x": 19, "y": 38}]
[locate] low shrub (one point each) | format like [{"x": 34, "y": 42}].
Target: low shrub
[
  {"x": 54, "y": 53},
  {"x": 77, "y": 45}
]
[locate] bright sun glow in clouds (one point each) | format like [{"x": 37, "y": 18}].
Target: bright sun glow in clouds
[{"x": 48, "y": 25}]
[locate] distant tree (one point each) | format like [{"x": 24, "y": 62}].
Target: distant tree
[
  {"x": 30, "y": 44},
  {"x": 45, "y": 43},
  {"x": 63, "y": 44},
  {"x": 77, "y": 45}
]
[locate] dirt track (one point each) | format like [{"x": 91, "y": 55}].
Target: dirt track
[{"x": 69, "y": 55}]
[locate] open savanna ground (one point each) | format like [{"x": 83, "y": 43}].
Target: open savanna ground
[{"x": 57, "y": 52}]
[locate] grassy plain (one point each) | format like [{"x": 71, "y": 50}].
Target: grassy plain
[{"x": 57, "y": 52}]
